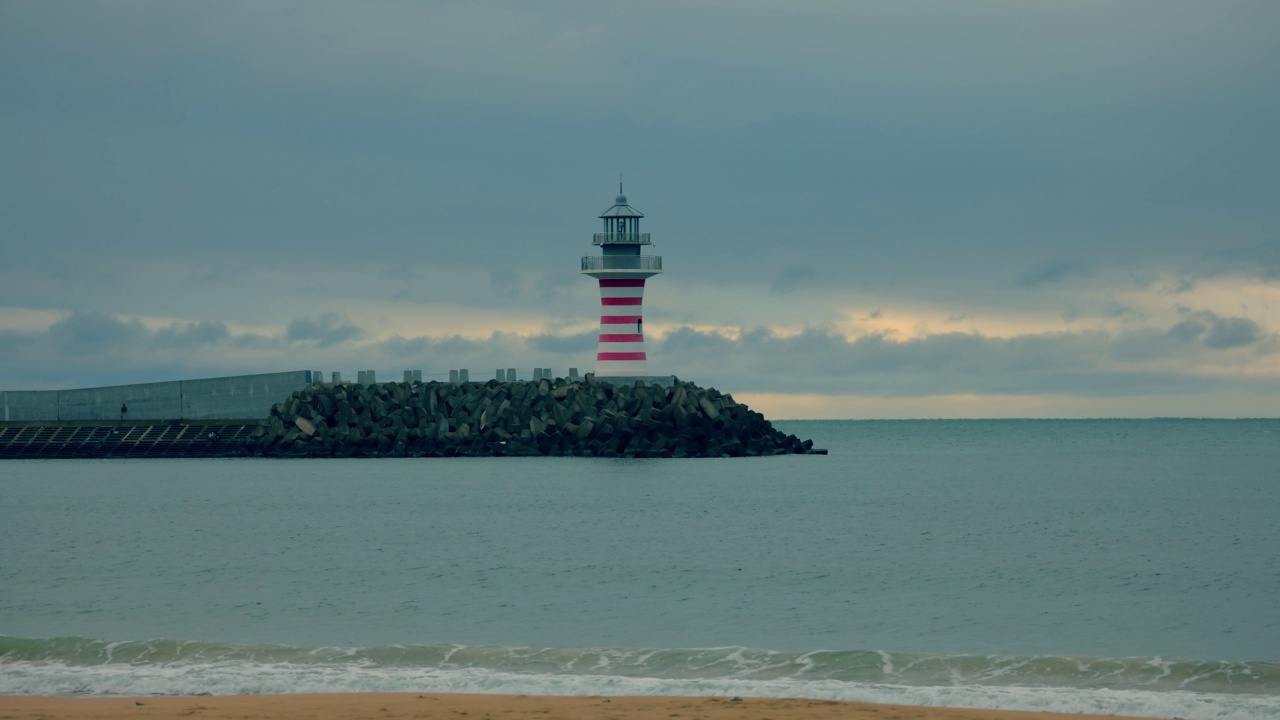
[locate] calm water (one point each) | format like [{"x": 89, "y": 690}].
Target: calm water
[{"x": 1106, "y": 566}]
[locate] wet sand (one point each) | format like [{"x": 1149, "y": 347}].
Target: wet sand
[{"x": 483, "y": 707}]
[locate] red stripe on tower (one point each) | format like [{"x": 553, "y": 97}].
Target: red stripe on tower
[{"x": 620, "y": 351}]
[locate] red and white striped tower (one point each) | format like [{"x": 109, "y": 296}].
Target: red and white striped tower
[{"x": 621, "y": 270}]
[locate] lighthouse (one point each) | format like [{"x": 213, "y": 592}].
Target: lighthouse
[{"x": 621, "y": 270}]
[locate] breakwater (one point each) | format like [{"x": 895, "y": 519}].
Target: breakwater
[{"x": 548, "y": 417}]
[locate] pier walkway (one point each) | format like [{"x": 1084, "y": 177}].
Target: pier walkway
[{"x": 122, "y": 440}]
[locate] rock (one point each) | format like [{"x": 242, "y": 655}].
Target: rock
[
  {"x": 587, "y": 418},
  {"x": 709, "y": 407}
]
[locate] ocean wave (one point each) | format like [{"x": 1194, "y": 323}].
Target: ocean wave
[
  {"x": 1133, "y": 686},
  {"x": 731, "y": 663}
]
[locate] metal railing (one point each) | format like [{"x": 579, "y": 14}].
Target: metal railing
[
  {"x": 621, "y": 239},
  {"x": 622, "y": 262}
]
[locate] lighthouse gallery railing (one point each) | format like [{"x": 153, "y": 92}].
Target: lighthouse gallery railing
[
  {"x": 621, "y": 262},
  {"x": 621, "y": 239}
]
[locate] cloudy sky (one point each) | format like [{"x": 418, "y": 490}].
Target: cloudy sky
[{"x": 1061, "y": 208}]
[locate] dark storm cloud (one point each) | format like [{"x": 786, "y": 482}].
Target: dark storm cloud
[{"x": 325, "y": 331}]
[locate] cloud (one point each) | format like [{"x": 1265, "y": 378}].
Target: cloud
[
  {"x": 1216, "y": 332},
  {"x": 325, "y": 331},
  {"x": 400, "y": 347},
  {"x": 1260, "y": 258},
  {"x": 192, "y": 334},
  {"x": 308, "y": 181},
  {"x": 253, "y": 341},
  {"x": 686, "y": 341},
  {"x": 1053, "y": 271},
  {"x": 1196, "y": 333},
  {"x": 471, "y": 144},
  {"x": 583, "y": 342},
  {"x": 84, "y": 334},
  {"x": 219, "y": 275},
  {"x": 88, "y": 349},
  {"x": 793, "y": 278},
  {"x": 1227, "y": 333},
  {"x": 85, "y": 349},
  {"x": 1085, "y": 362},
  {"x": 505, "y": 283},
  {"x": 436, "y": 355}
]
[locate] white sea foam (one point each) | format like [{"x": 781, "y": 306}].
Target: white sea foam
[{"x": 232, "y": 678}]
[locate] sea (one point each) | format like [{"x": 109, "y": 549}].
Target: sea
[{"x": 1100, "y": 566}]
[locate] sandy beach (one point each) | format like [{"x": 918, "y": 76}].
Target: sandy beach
[{"x": 480, "y": 707}]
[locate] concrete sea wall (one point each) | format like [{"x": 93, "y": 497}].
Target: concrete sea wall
[
  {"x": 548, "y": 417},
  {"x": 239, "y": 397},
  {"x": 229, "y": 397},
  {"x": 151, "y": 401},
  {"x": 28, "y": 405}
]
